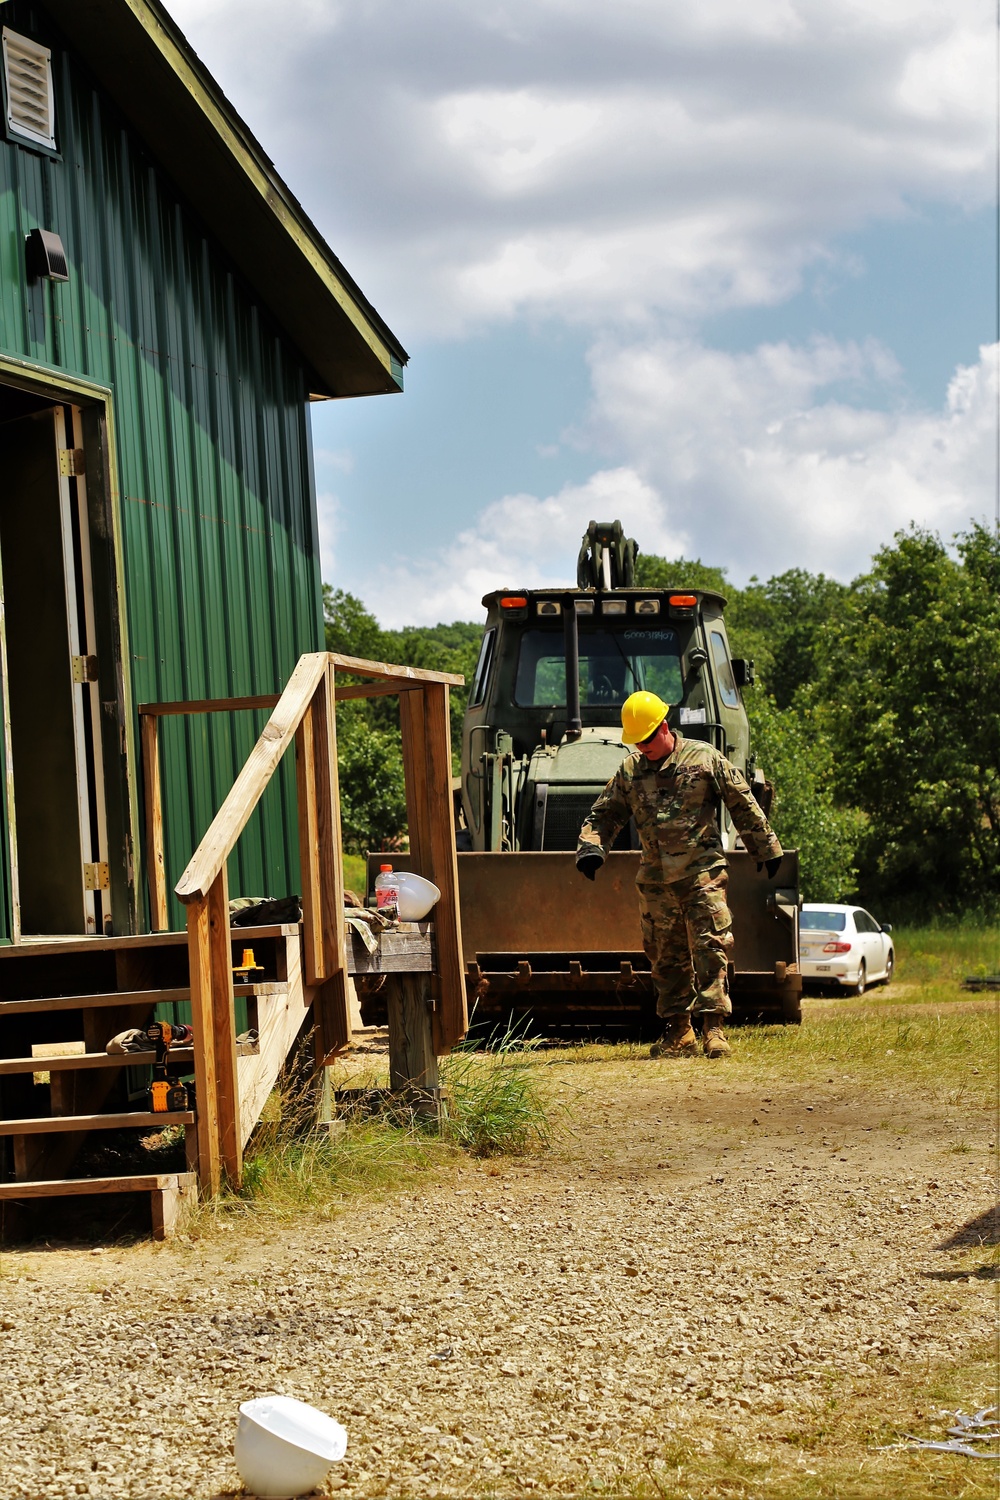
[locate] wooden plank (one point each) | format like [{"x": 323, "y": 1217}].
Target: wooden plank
[
  {"x": 182, "y": 1057},
  {"x": 134, "y": 998},
  {"x": 331, "y": 1002},
  {"x": 72, "y": 1187},
  {"x": 51, "y": 1124},
  {"x": 208, "y": 705},
  {"x": 33, "y": 945},
  {"x": 359, "y": 667},
  {"x": 279, "y": 1021},
  {"x": 246, "y": 791},
  {"x": 376, "y": 689},
  {"x": 309, "y": 852},
  {"x": 397, "y": 953},
  {"x": 413, "y": 1063},
  {"x": 155, "y": 872},
  {"x": 451, "y": 1017},
  {"x": 206, "y": 1080},
  {"x": 411, "y": 723},
  {"x": 169, "y": 1205},
  {"x": 224, "y": 1029}
]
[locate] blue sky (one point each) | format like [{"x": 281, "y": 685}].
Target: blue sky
[{"x": 727, "y": 272}]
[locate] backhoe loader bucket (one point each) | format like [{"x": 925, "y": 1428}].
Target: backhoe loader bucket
[{"x": 542, "y": 942}]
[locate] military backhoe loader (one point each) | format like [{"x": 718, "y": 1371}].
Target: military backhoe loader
[{"x": 541, "y": 737}]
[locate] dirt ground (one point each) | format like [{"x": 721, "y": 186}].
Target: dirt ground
[{"x": 717, "y": 1282}]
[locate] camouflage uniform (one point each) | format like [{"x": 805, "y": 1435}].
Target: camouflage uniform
[{"x": 686, "y": 924}]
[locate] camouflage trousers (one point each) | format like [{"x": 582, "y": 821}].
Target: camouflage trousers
[{"x": 687, "y": 934}]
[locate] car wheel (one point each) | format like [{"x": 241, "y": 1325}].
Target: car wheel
[
  {"x": 890, "y": 964},
  {"x": 859, "y": 988}
]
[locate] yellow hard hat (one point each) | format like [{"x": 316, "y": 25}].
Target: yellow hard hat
[{"x": 642, "y": 715}]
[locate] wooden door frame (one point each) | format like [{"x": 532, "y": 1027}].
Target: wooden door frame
[{"x": 114, "y": 685}]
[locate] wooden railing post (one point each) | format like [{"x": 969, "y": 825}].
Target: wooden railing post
[
  {"x": 213, "y": 1020},
  {"x": 324, "y": 937},
  {"x": 209, "y": 1163},
  {"x": 425, "y": 721},
  {"x": 155, "y": 872}
]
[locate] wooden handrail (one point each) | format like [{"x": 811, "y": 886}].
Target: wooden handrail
[
  {"x": 390, "y": 672},
  {"x": 305, "y": 713},
  {"x": 206, "y": 705},
  {"x": 249, "y": 786}
]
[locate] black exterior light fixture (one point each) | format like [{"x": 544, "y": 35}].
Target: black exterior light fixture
[{"x": 44, "y": 256}]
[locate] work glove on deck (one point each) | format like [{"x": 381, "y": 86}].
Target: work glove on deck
[
  {"x": 589, "y": 864},
  {"x": 773, "y": 866}
]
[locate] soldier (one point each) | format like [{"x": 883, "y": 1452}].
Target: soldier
[{"x": 670, "y": 785}]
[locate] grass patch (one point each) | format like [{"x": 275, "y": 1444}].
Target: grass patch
[
  {"x": 294, "y": 1166},
  {"x": 941, "y": 957},
  {"x": 355, "y": 874},
  {"x": 830, "y": 1453},
  {"x": 497, "y": 1103},
  {"x": 496, "y": 1106}
]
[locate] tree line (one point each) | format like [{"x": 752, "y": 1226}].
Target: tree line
[{"x": 875, "y": 713}]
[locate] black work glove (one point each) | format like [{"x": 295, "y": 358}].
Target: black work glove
[
  {"x": 589, "y": 864},
  {"x": 773, "y": 866}
]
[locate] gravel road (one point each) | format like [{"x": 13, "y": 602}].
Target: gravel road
[{"x": 697, "y": 1262}]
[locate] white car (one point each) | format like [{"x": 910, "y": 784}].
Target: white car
[{"x": 843, "y": 945}]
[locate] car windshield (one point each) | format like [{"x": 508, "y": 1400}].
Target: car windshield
[
  {"x": 613, "y": 664},
  {"x": 823, "y": 921}
]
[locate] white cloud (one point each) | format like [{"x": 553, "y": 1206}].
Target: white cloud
[
  {"x": 521, "y": 541},
  {"x": 753, "y": 462},
  {"x": 475, "y": 162},
  {"x": 765, "y": 465}
]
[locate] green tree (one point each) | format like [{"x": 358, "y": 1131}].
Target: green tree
[
  {"x": 369, "y": 746},
  {"x": 780, "y": 623},
  {"x": 797, "y": 758},
  {"x": 909, "y": 693},
  {"x": 351, "y": 629},
  {"x": 653, "y": 572}
]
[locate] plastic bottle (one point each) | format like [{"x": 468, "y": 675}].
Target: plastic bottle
[{"x": 387, "y": 893}]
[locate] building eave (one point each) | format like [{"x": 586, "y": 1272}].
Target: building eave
[{"x": 141, "y": 59}]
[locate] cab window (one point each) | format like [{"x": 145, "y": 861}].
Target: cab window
[
  {"x": 724, "y": 672},
  {"x": 482, "y": 673},
  {"x": 613, "y": 664}
]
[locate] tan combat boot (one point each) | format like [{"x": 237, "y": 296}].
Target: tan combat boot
[
  {"x": 678, "y": 1040},
  {"x": 714, "y": 1037}
]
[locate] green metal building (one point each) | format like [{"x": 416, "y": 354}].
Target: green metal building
[{"x": 167, "y": 313}]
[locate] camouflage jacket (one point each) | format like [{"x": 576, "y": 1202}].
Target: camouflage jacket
[{"x": 674, "y": 806}]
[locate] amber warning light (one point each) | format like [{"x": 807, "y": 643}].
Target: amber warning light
[
  {"x": 514, "y": 601},
  {"x": 683, "y": 601}
]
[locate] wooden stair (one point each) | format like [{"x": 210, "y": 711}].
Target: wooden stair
[{"x": 79, "y": 992}]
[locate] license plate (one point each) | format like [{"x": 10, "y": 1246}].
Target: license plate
[{"x": 823, "y": 968}]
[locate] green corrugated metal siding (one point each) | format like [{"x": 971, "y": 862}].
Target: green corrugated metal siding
[{"x": 217, "y": 510}]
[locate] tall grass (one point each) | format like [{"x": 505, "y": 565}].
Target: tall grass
[
  {"x": 495, "y": 1105},
  {"x": 496, "y": 1101}
]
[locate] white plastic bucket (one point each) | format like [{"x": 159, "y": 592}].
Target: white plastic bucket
[
  {"x": 283, "y": 1447},
  {"x": 416, "y": 896}
]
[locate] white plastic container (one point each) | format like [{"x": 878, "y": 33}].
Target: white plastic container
[
  {"x": 416, "y": 896},
  {"x": 284, "y": 1448},
  {"x": 387, "y": 893}
]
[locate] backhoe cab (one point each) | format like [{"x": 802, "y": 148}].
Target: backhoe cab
[{"x": 542, "y": 732}]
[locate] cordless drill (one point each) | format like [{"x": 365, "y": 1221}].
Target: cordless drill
[{"x": 166, "y": 1095}]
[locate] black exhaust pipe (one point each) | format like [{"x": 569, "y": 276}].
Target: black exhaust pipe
[{"x": 574, "y": 727}]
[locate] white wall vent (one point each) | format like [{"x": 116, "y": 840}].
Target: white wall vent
[{"x": 27, "y": 69}]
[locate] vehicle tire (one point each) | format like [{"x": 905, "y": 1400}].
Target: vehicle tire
[
  {"x": 859, "y": 988},
  {"x": 890, "y": 965}
]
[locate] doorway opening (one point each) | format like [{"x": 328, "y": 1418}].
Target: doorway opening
[{"x": 52, "y": 734}]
